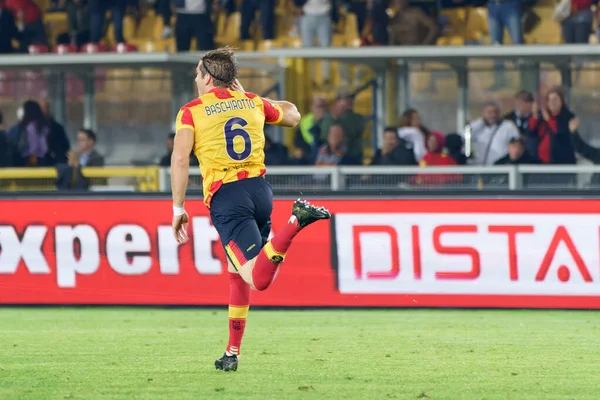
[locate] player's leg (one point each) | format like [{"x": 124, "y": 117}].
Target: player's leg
[
  {"x": 260, "y": 271},
  {"x": 239, "y": 304},
  {"x": 232, "y": 216}
]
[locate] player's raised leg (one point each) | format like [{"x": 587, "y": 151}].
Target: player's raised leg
[
  {"x": 239, "y": 304},
  {"x": 260, "y": 271}
]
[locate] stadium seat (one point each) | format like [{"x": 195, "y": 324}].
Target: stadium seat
[
  {"x": 65, "y": 49},
  {"x": 91, "y": 48},
  {"x": 37, "y": 49},
  {"x": 228, "y": 29},
  {"x": 124, "y": 48}
]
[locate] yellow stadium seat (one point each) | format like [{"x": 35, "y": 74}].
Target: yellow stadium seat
[
  {"x": 146, "y": 29},
  {"x": 228, "y": 29},
  {"x": 547, "y": 31},
  {"x": 351, "y": 26}
]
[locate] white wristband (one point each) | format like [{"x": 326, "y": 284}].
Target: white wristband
[{"x": 177, "y": 211}]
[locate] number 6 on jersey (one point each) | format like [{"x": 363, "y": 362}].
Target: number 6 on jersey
[{"x": 233, "y": 128}]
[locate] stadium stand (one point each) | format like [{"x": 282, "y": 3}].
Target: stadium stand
[{"x": 119, "y": 90}]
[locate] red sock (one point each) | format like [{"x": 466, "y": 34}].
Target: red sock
[
  {"x": 272, "y": 254},
  {"x": 239, "y": 303}
]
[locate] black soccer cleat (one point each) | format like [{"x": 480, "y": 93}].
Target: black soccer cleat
[
  {"x": 227, "y": 363},
  {"x": 306, "y": 213}
]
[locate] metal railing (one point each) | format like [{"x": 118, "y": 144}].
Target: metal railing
[
  {"x": 143, "y": 179},
  {"x": 554, "y": 177}
]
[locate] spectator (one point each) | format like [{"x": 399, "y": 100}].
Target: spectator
[
  {"x": 267, "y": 18},
  {"x": 58, "y": 141},
  {"x": 275, "y": 153},
  {"x": 360, "y": 8},
  {"x": 504, "y": 14},
  {"x": 316, "y": 19},
  {"x": 522, "y": 111},
  {"x": 8, "y": 29},
  {"x": 165, "y": 160},
  {"x": 551, "y": 128},
  {"x": 410, "y": 26},
  {"x": 78, "y": 12},
  {"x": 454, "y": 145},
  {"x": 6, "y": 147},
  {"x": 13, "y": 132},
  {"x": 86, "y": 154},
  {"x": 520, "y": 117},
  {"x": 437, "y": 157},
  {"x": 352, "y": 123},
  {"x": 517, "y": 154},
  {"x": 335, "y": 151},
  {"x": 308, "y": 134},
  {"x": 490, "y": 135},
  {"x": 394, "y": 150},
  {"x": 413, "y": 131},
  {"x": 576, "y": 27},
  {"x": 194, "y": 21},
  {"x": 32, "y": 137},
  {"x": 29, "y": 22},
  {"x": 379, "y": 19},
  {"x": 70, "y": 176},
  {"x": 98, "y": 9},
  {"x": 163, "y": 8},
  {"x": 584, "y": 149}
]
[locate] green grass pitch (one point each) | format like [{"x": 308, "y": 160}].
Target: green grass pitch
[{"x": 145, "y": 353}]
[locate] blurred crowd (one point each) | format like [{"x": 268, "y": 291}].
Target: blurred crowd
[
  {"x": 38, "y": 140},
  {"x": 332, "y": 135},
  {"x": 379, "y": 22}
]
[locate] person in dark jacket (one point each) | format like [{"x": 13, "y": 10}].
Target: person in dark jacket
[
  {"x": 517, "y": 154},
  {"x": 520, "y": 117},
  {"x": 275, "y": 153},
  {"x": 165, "y": 160},
  {"x": 551, "y": 127},
  {"x": 86, "y": 154},
  {"x": 6, "y": 147},
  {"x": 394, "y": 150},
  {"x": 454, "y": 146},
  {"x": 8, "y": 29},
  {"x": 522, "y": 111},
  {"x": 58, "y": 141},
  {"x": 585, "y": 150},
  {"x": 267, "y": 18}
]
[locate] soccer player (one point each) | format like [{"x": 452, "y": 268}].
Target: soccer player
[{"x": 224, "y": 127}]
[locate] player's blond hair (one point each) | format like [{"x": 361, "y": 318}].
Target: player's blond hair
[{"x": 220, "y": 65}]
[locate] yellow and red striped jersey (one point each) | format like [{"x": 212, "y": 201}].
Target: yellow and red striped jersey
[{"x": 229, "y": 136}]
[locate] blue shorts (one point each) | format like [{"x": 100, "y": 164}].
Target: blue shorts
[{"x": 241, "y": 213}]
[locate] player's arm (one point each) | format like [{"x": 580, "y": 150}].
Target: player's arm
[
  {"x": 180, "y": 164},
  {"x": 282, "y": 113},
  {"x": 180, "y": 170},
  {"x": 279, "y": 112}
]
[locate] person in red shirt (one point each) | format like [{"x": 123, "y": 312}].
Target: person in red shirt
[
  {"x": 550, "y": 127},
  {"x": 29, "y": 21},
  {"x": 436, "y": 156}
]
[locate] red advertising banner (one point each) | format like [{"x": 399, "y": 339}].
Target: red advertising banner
[{"x": 386, "y": 253}]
